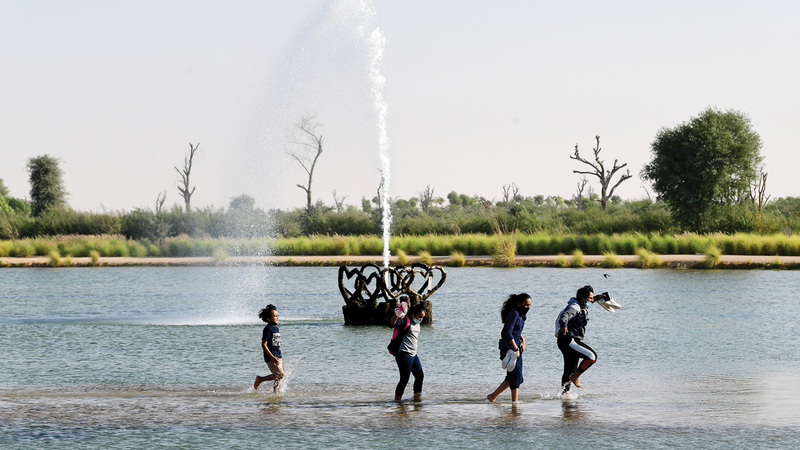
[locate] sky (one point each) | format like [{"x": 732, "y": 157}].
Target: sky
[{"x": 478, "y": 94}]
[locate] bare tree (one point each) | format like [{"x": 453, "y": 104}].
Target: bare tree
[
  {"x": 162, "y": 197},
  {"x": 310, "y": 143},
  {"x": 757, "y": 191},
  {"x": 510, "y": 193},
  {"x": 338, "y": 202},
  {"x": 578, "y": 196},
  {"x": 184, "y": 174},
  {"x": 601, "y": 173}
]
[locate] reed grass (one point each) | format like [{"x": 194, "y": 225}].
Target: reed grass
[
  {"x": 68, "y": 260},
  {"x": 457, "y": 259},
  {"x": 561, "y": 261},
  {"x": 402, "y": 257},
  {"x": 95, "y": 256},
  {"x": 219, "y": 256},
  {"x": 648, "y": 259},
  {"x": 713, "y": 255},
  {"x": 55, "y": 258},
  {"x": 506, "y": 246},
  {"x": 425, "y": 257},
  {"x": 611, "y": 261},
  {"x": 578, "y": 259}
]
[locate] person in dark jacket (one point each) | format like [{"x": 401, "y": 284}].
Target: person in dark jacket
[
  {"x": 570, "y": 330},
  {"x": 513, "y": 314}
]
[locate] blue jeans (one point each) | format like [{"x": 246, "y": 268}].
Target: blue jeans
[{"x": 407, "y": 365}]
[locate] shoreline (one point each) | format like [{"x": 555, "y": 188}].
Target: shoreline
[{"x": 696, "y": 261}]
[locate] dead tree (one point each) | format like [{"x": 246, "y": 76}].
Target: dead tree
[
  {"x": 310, "y": 143},
  {"x": 601, "y": 173},
  {"x": 510, "y": 193},
  {"x": 338, "y": 202},
  {"x": 184, "y": 174},
  {"x": 578, "y": 196},
  {"x": 162, "y": 197},
  {"x": 757, "y": 191}
]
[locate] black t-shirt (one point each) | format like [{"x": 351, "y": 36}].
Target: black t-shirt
[{"x": 272, "y": 335}]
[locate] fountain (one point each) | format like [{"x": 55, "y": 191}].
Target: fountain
[{"x": 376, "y": 291}]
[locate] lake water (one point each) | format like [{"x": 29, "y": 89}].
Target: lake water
[{"x": 165, "y": 357}]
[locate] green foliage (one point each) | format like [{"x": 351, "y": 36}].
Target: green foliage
[
  {"x": 425, "y": 257},
  {"x": 713, "y": 255},
  {"x": 95, "y": 256},
  {"x": 648, "y": 259},
  {"x": 578, "y": 259},
  {"x": 55, "y": 258},
  {"x": 47, "y": 188},
  {"x": 402, "y": 257},
  {"x": 611, "y": 261},
  {"x": 703, "y": 169},
  {"x": 457, "y": 259}
]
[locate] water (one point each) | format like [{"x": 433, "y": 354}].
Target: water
[
  {"x": 139, "y": 356},
  {"x": 378, "y": 81}
]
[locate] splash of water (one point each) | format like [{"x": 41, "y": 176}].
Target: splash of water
[{"x": 378, "y": 45}]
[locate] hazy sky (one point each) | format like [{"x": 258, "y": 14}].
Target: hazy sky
[{"x": 480, "y": 94}]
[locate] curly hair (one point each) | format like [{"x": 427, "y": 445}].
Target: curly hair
[{"x": 266, "y": 313}]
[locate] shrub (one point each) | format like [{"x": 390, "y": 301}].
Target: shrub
[
  {"x": 55, "y": 258},
  {"x": 457, "y": 259},
  {"x": 402, "y": 257},
  {"x": 611, "y": 260},
  {"x": 561, "y": 261},
  {"x": 95, "y": 255},
  {"x": 425, "y": 257},
  {"x": 713, "y": 255},
  {"x": 578, "y": 259},
  {"x": 219, "y": 256}
]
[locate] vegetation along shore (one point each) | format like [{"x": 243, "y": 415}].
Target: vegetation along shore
[{"x": 686, "y": 250}]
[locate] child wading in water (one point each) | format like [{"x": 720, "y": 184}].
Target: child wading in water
[{"x": 271, "y": 344}]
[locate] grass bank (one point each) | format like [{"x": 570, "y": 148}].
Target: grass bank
[{"x": 435, "y": 245}]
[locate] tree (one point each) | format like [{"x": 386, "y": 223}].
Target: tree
[
  {"x": 599, "y": 171},
  {"x": 426, "y": 199},
  {"x": 47, "y": 188},
  {"x": 310, "y": 143},
  {"x": 338, "y": 202},
  {"x": 702, "y": 166},
  {"x": 3, "y": 189},
  {"x": 162, "y": 197},
  {"x": 184, "y": 174}
]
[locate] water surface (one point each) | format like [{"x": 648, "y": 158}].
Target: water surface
[{"x": 143, "y": 356}]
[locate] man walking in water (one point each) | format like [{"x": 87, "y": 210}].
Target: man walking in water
[{"x": 271, "y": 344}]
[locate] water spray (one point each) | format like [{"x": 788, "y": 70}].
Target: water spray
[{"x": 377, "y": 47}]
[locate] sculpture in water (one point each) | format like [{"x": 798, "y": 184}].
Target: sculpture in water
[{"x": 376, "y": 291}]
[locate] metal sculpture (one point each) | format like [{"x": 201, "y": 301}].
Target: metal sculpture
[{"x": 376, "y": 291}]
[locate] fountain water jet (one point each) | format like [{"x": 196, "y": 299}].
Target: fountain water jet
[{"x": 378, "y": 81}]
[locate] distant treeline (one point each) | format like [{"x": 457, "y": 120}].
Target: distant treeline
[{"x": 459, "y": 214}]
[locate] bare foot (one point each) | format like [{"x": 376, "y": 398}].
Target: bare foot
[
  {"x": 417, "y": 398},
  {"x": 258, "y": 382},
  {"x": 575, "y": 381}
]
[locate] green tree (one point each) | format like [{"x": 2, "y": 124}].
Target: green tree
[
  {"x": 3, "y": 189},
  {"x": 701, "y": 168},
  {"x": 47, "y": 188}
]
